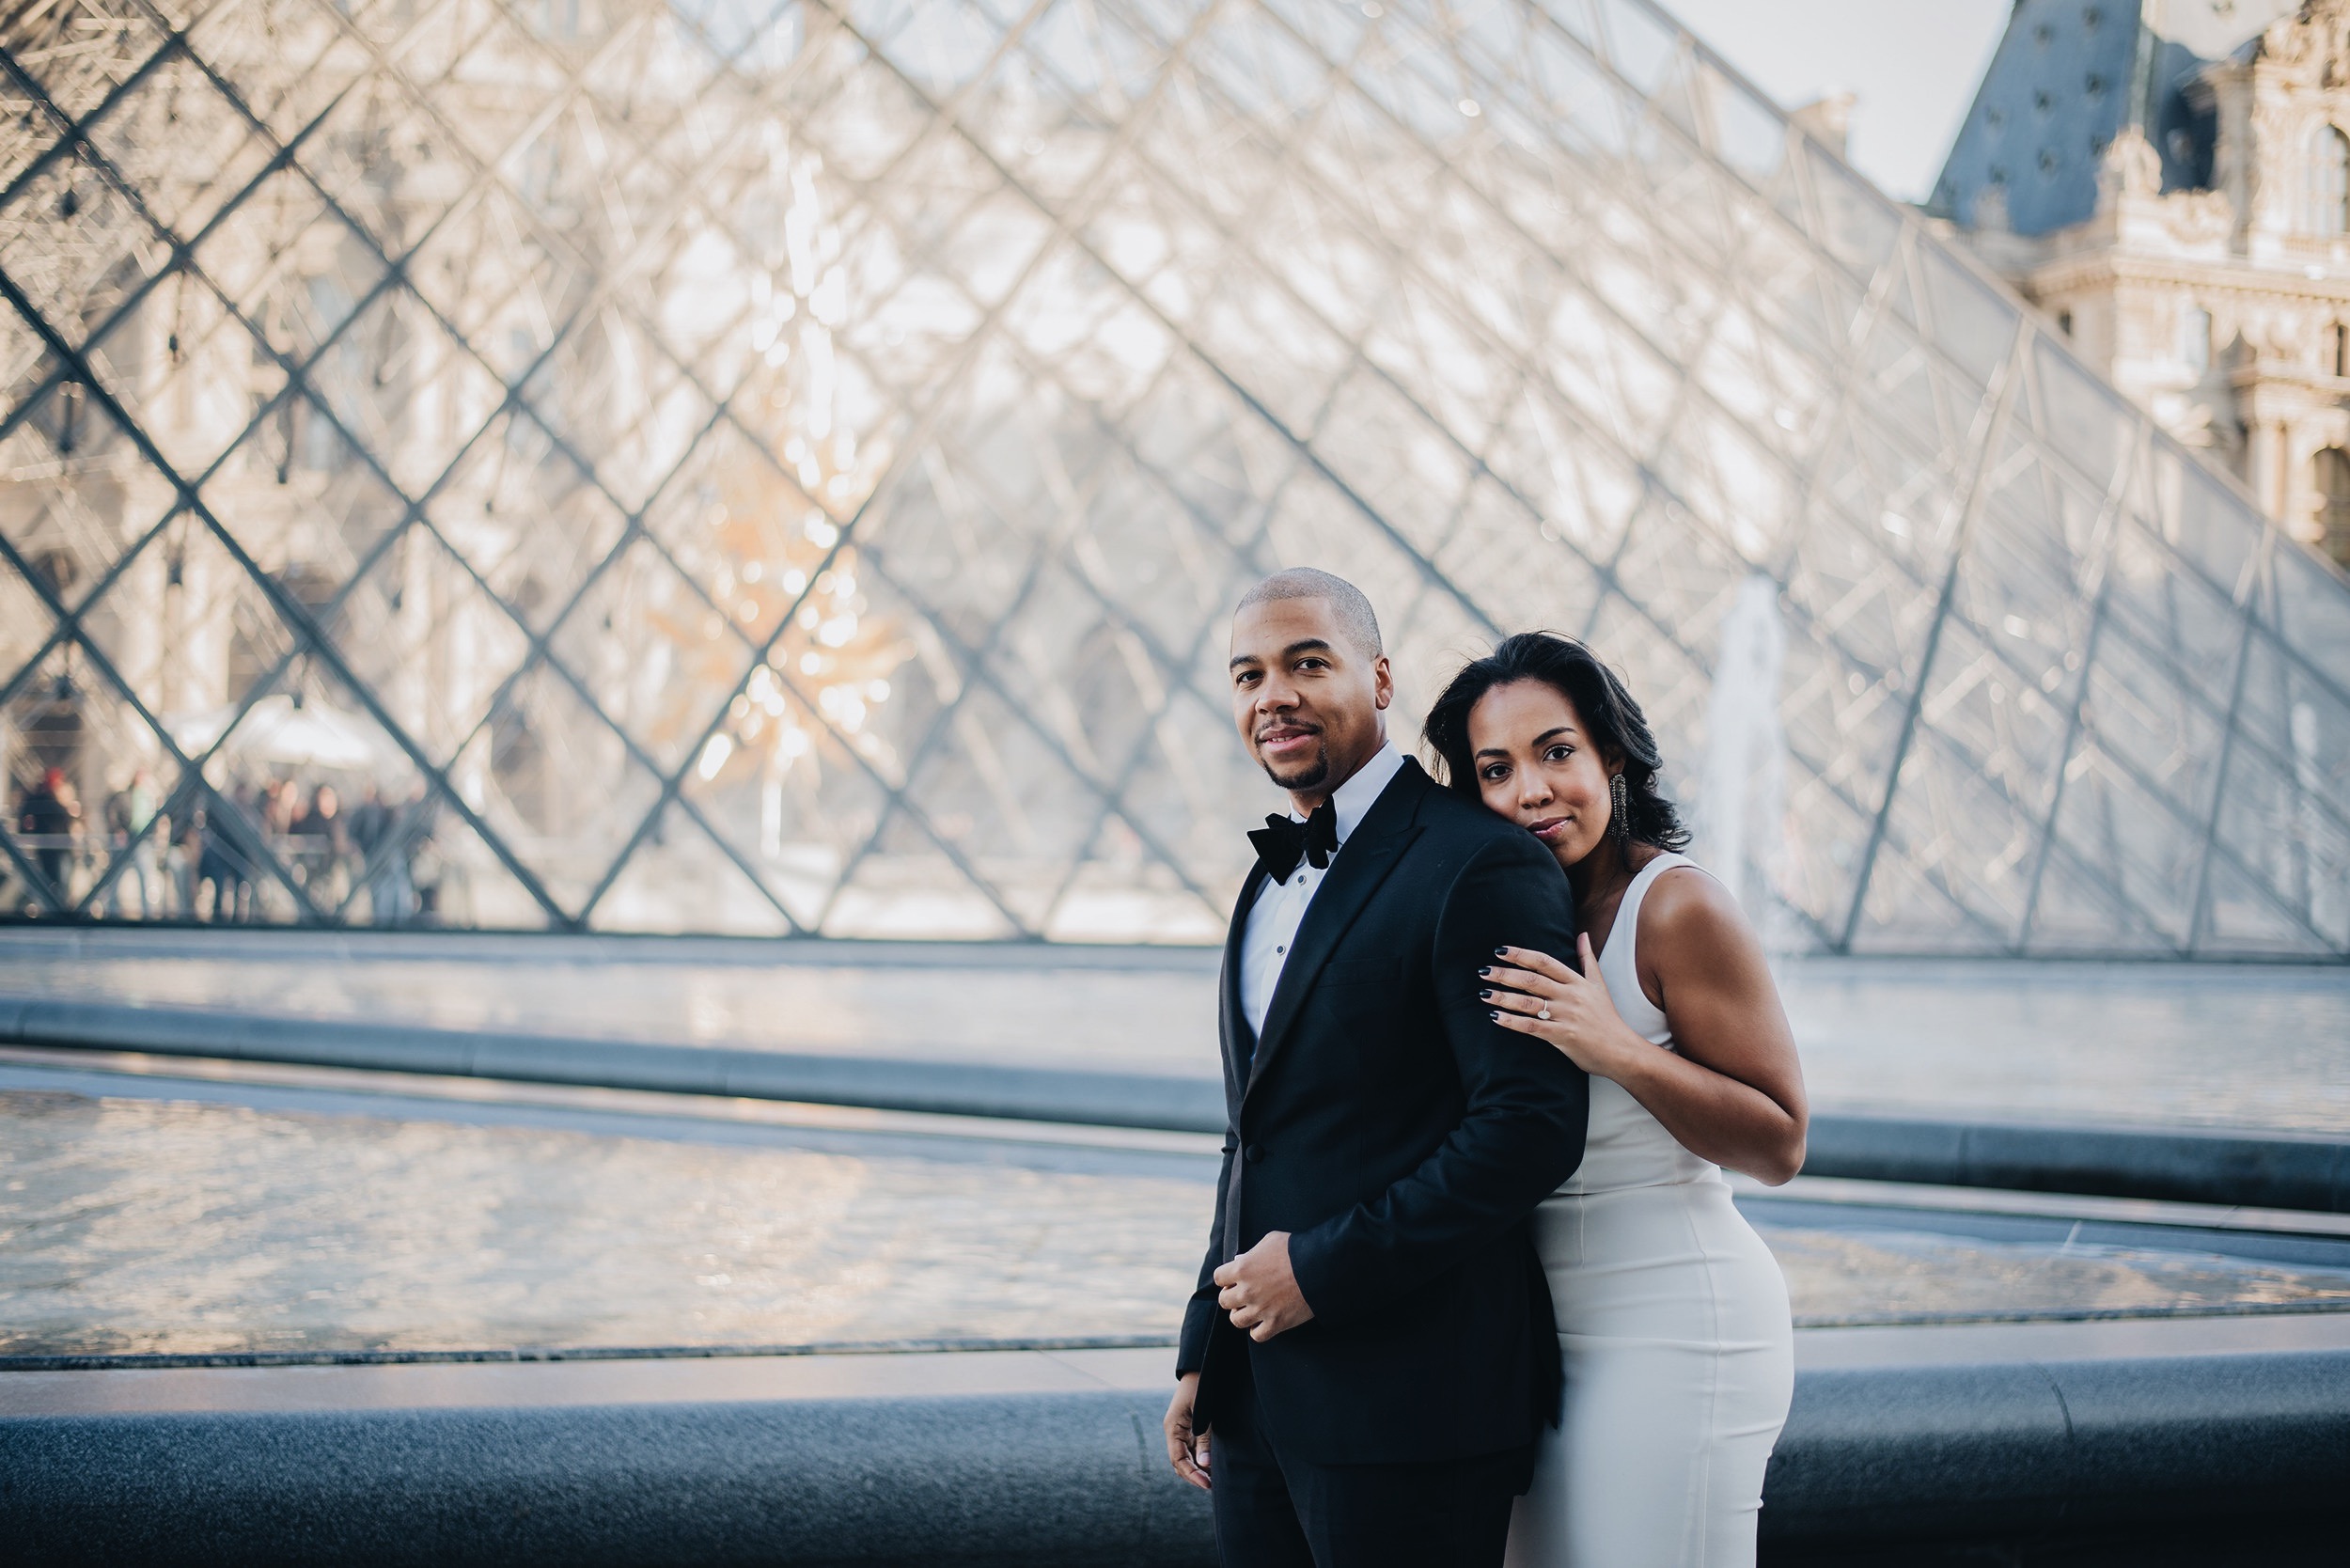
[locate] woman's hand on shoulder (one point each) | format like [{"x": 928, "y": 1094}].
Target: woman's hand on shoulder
[{"x": 1535, "y": 994}]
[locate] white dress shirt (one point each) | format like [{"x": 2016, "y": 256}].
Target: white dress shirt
[{"x": 1280, "y": 906}]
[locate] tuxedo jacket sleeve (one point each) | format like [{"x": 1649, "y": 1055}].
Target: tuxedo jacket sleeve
[
  {"x": 1200, "y": 1314},
  {"x": 1523, "y": 1130}
]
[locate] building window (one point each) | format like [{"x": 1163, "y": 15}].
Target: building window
[
  {"x": 2330, "y": 474},
  {"x": 2330, "y": 182},
  {"x": 2195, "y": 339},
  {"x": 2337, "y": 351}
]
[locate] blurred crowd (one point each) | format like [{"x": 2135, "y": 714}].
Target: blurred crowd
[{"x": 371, "y": 861}]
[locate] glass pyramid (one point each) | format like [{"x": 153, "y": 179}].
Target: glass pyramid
[{"x": 726, "y": 465}]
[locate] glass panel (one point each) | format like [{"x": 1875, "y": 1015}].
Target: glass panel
[
  {"x": 2242, "y": 916},
  {"x": 25, "y": 626},
  {"x": 74, "y": 493},
  {"x": 557, "y": 783},
  {"x": 1966, "y": 319},
  {"x": 419, "y": 631},
  {"x": 181, "y": 145},
  {"x": 1818, "y": 861},
  {"x": 1856, "y": 224},
  {"x": 2135, "y": 708},
  {"x": 657, "y": 657},
  {"x": 2129, "y": 839},
  {"x": 703, "y": 476},
  {"x": 2282, "y": 813},
  {"x": 1528, "y": 576},
  {"x": 75, "y": 245},
  {"x": 680, "y": 880},
  {"x": 526, "y": 518},
  {"x": 789, "y": 792},
  {"x": 194, "y": 633},
  {"x": 2078, "y": 911},
  {"x": 910, "y": 882},
  {"x": 76, "y": 65},
  {"x": 288, "y": 58},
  {"x": 1909, "y": 910},
  {"x": 2088, "y": 423},
  {"x": 1640, "y": 43}
]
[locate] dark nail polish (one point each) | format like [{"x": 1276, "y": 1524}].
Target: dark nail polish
[
  {"x": 1484, "y": 996},
  {"x": 1502, "y": 952},
  {"x": 1485, "y": 973},
  {"x": 1494, "y": 1016}
]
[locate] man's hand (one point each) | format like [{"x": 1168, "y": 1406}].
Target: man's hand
[
  {"x": 1186, "y": 1450},
  {"x": 1259, "y": 1293}
]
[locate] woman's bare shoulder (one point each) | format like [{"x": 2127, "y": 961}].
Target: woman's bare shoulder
[{"x": 1690, "y": 914}]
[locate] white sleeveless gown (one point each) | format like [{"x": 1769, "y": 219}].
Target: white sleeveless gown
[{"x": 1674, "y": 1327}]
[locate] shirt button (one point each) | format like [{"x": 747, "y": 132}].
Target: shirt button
[
  {"x": 1254, "y": 1154},
  {"x": 1280, "y": 949}
]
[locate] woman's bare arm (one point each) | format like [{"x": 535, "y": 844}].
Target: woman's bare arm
[{"x": 1732, "y": 1092}]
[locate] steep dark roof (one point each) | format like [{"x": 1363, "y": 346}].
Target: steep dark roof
[{"x": 2067, "y": 76}]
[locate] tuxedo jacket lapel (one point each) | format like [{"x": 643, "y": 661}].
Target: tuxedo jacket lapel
[
  {"x": 1372, "y": 852},
  {"x": 1239, "y": 1041}
]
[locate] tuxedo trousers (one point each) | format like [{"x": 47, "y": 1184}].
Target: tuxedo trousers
[{"x": 1276, "y": 1511}]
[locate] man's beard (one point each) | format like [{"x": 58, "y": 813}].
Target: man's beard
[{"x": 1311, "y": 777}]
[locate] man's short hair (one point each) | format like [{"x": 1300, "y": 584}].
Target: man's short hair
[{"x": 1345, "y": 600}]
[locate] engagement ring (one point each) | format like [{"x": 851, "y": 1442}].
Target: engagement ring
[{"x": 1544, "y": 1014}]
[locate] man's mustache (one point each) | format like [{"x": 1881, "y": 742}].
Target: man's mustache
[{"x": 1291, "y": 725}]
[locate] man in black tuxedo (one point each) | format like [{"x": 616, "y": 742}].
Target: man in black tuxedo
[{"x": 1369, "y": 1355}]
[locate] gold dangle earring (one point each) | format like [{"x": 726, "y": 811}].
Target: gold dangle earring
[{"x": 1620, "y": 812}]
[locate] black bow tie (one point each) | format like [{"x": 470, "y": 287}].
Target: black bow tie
[{"x": 1283, "y": 841}]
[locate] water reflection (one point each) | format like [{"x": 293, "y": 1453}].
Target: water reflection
[
  {"x": 157, "y": 1226},
  {"x": 144, "y": 1226}
]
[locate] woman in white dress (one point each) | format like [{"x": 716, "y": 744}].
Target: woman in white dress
[{"x": 1673, "y": 1314}]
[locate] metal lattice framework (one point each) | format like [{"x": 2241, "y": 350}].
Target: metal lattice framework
[{"x": 730, "y": 465}]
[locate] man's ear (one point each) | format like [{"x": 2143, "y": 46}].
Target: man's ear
[{"x": 1382, "y": 683}]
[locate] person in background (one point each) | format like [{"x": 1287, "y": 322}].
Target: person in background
[
  {"x": 319, "y": 845},
  {"x": 129, "y": 810},
  {"x": 383, "y": 861},
  {"x": 186, "y": 829},
  {"x": 222, "y": 863},
  {"x": 50, "y": 816},
  {"x": 421, "y": 852},
  {"x": 275, "y": 805}
]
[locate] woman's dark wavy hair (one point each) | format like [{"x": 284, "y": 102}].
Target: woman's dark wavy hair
[{"x": 1613, "y": 720}]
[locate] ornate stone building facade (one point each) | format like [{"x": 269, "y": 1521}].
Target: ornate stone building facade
[{"x": 2171, "y": 184}]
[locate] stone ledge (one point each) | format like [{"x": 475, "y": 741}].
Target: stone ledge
[
  {"x": 882, "y": 1083},
  {"x": 2276, "y": 1170},
  {"x": 1872, "y": 1458}
]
